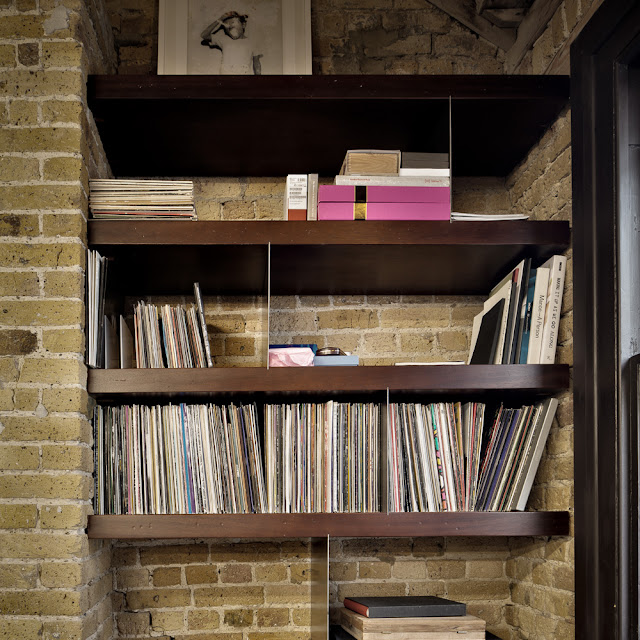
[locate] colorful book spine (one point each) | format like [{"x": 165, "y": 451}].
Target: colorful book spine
[
  {"x": 384, "y": 211},
  {"x": 295, "y": 197},
  {"x": 526, "y": 327},
  {"x": 537, "y": 315},
  {"x": 378, "y": 193}
]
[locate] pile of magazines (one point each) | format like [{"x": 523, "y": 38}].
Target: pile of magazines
[{"x": 142, "y": 199}]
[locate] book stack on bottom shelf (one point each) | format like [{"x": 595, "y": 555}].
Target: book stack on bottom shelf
[{"x": 406, "y": 618}]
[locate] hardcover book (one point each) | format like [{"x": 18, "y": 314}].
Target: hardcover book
[
  {"x": 422, "y": 160},
  {"x": 405, "y": 606},
  {"x": 384, "y": 211},
  {"x": 371, "y": 162},
  {"x": 382, "y": 193},
  {"x": 431, "y": 627},
  {"x": 295, "y": 197},
  {"x": 397, "y": 181}
]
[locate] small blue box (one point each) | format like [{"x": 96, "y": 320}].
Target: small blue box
[{"x": 335, "y": 361}]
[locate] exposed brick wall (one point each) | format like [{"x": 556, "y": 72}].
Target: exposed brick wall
[
  {"x": 231, "y": 590},
  {"x": 54, "y": 583},
  {"x": 348, "y": 36},
  {"x": 542, "y": 574}
]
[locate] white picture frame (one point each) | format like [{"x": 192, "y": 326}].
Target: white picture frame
[{"x": 279, "y": 31}]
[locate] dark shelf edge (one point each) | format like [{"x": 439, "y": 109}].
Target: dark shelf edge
[
  {"x": 308, "y": 87},
  {"x": 328, "y": 233},
  {"x": 537, "y": 379},
  {"x": 341, "y": 525}
]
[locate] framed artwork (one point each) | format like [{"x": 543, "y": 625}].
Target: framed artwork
[{"x": 234, "y": 37}]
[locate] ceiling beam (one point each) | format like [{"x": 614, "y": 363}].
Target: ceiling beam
[
  {"x": 530, "y": 29},
  {"x": 465, "y": 13}
]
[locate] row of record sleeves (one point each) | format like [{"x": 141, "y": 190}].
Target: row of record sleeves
[{"x": 315, "y": 457}]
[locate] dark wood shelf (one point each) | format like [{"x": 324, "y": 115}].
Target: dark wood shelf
[
  {"x": 443, "y": 380},
  {"x": 339, "y": 525},
  {"x": 316, "y": 258},
  {"x": 275, "y": 125}
]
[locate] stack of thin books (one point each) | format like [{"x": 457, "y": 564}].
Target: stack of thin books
[
  {"x": 407, "y": 618},
  {"x": 142, "y": 199}
]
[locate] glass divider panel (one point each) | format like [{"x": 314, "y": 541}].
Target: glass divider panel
[
  {"x": 268, "y": 300},
  {"x": 320, "y": 588}
]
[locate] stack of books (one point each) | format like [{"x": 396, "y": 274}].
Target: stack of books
[
  {"x": 388, "y": 185},
  {"x": 520, "y": 320},
  {"x": 142, "y": 199},
  {"x": 407, "y": 618},
  {"x": 375, "y": 184}
]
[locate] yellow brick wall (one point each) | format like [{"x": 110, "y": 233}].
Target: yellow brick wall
[{"x": 54, "y": 582}]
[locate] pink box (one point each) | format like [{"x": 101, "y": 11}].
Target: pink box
[
  {"x": 350, "y": 193},
  {"x": 384, "y": 211}
]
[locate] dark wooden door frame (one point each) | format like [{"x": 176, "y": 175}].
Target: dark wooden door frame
[{"x": 605, "y": 458}]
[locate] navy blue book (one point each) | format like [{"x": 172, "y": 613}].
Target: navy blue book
[{"x": 405, "y": 606}]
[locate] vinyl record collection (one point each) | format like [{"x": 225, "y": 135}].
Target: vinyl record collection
[
  {"x": 178, "y": 459},
  {"x": 322, "y": 457},
  {"x": 318, "y": 457},
  {"x": 440, "y": 458},
  {"x": 168, "y": 336}
]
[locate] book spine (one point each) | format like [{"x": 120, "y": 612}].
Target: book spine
[
  {"x": 424, "y": 171},
  {"x": 526, "y": 329},
  {"x": 357, "y": 607},
  {"x": 203, "y": 324},
  {"x": 523, "y": 281},
  {"x": 554, "y": 304},
  {"x": 535, "y": 453},
  {"x": 312, "y": 196},
  {"x": 295, "y": 197},
  {"x": 537, "y": 315},
  {"x": 389, "y": 181}
]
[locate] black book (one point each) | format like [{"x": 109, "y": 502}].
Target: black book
[
  {"x": 488, "y": 335},
  {"x": 518, "y": 319},
  {"x": 405, "y": 607}
]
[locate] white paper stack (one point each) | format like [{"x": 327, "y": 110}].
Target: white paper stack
[{"x": 142, "y": 199}]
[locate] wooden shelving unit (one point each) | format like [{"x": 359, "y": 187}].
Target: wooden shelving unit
[{"x": 232, "y": 126}]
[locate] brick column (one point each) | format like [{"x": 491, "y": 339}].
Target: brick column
[{"x": 54, "y": 583}]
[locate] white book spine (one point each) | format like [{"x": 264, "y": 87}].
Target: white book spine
[
  {"x": 426, "y": 172},
  {"x": 312, "y": 196},
  {"x": 537, "y": 319},
  {"x": 535, "y": 454},
  {"x": 296, "y": 193},
  {"x": 558, "y": 268},
  {"x": 391, "y": 181}
]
